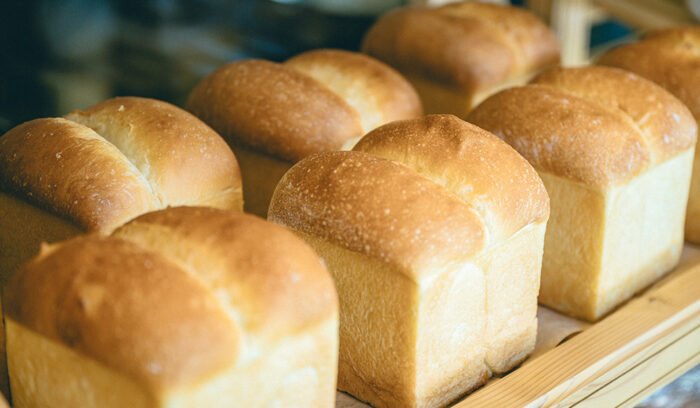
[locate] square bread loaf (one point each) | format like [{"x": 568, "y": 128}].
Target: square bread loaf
[
  {"x": 671, "y": 58},
  {"x": 96, "y": 169},
  {"x": 435, "y": 243},
  {"x": 615, "y": 152},
  {"x": 181, "y": 308},
  {"x": 458, "y": 54},
  {"x": 273, "y": 115}
]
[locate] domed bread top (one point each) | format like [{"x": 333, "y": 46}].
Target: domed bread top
[
  {"x": 183, "y": 159},
  {"x": 599, "y": 126},
  {"x": 274, "y": 108},
  {"x": 118, "y": 159},
  {"x": 318, "y": 101},
  {"x": 470, "y": 45},
  {"x": 669, "y": 57},
  {"x": 126, "y": 307},
  {"x": 665, "y": 123},
  {"x": 175, "y": 296},
  {"x": 379, "y": 208},
  {"x": 476, "y": 166},
  {"x": 275, "y": 283},
  {"x": 378, "y": 92},
  {"x": 72, "y": 171}
]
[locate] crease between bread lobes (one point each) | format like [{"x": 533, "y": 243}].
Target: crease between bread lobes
[
  {"x": 219, "y": 304},
  {"x": 417, "y": 226},
  {"x": 122, "y": 157},
  {"x": 458, "y": 54},
  {"x": 615, "y": 152}
]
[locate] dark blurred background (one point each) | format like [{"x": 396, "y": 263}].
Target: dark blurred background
[{"x": 61, "y": 55}]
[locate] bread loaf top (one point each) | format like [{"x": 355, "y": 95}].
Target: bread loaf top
[
  {"x": 596, "y": 125},
  {"x": 116, "y": 160},
  {"x": 669, "y": 57},
  {"x": 318, "y": 101},
  {"x": 470, "y": 45},
  {"x": 434, "y": 192},
  {"x": 473, "y": 164},
  {"x": 379, "y": 208},
  {"x": 176, "y": 296}
]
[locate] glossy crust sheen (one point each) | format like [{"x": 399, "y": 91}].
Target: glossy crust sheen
[
  {"x": 475, "y": 165},
  {"x": 596, "y": 125},
  {"x": 374, "y": 89},
  {"x": 73, "y": 172},
  {"x": 184, "y": 160},
  {"x": 118, "y": 159},
  {"x": 201, "y": 274},
  {"x": 378, "y": 208},
  {"x": 129, "y": 308},
  {"x": 470, "y": 45},
  {"x": 274, "y": 108},
  {"x": 670, "y": 57}
]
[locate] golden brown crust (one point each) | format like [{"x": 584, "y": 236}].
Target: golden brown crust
[
  {"x": 378, "y": 208},
  {"x": 274, "y": 281},
  {"x": 177, "y": 295},
  {"x": 71, "y": 171},
  {"x": 129, "y": 308},
  {"x": 669, "y": 57},
  {"x": 470, "y": 45},
  {"x": 595, "y": 125},
  {"x": 476, "y": 166},
  {"x": 274, "y": 108},
  {"x": 378, "y": 92},
  {"x": 667, "y": 125},
  {"x": 183, "y": 159}
]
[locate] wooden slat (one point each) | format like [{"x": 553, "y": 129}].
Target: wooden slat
[
  {"x": 646, "y": 374},
  {"x": 604, "y": 352}
]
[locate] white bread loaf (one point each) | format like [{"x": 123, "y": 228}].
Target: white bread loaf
[
  {"x": 276, "y": 114},
  {"x": 184, "y": 307},
  {"x": 458, "y": 54},
  {"x": 436, "y": 258},
  {"x": 615, "y": 152},
  {"x": 95, "y": 170},
  {"x": 671, "y": 58}
]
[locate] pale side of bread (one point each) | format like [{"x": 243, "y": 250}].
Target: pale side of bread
[
  {"x": 460, "y": 52},
  {"x": 321, "y": 100},
  {"x": 229, "y": 320},
  {"x": 614, "y": 151},
  {"x": 414, "y": 244},
  {"x": 671, "y": 58}
]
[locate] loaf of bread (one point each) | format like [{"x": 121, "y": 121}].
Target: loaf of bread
[
  {"x": 436, "y": 256},
  {"x": 615, "y": 152},
  {"x": 274, "y": 114},
  {"x": 458, "y": 54},
  {"x": 671, "y": 58},
  {"x": 184, "y": 307},
  {"x": 94, "y": 170}
]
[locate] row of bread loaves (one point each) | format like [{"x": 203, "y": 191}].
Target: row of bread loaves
[{"x": 434, "y": 231}]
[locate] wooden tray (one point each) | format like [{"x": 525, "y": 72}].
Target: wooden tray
[{"x": 645, "y": 344}]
